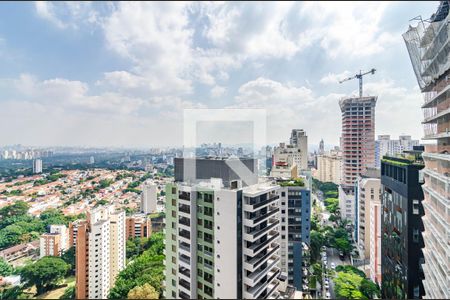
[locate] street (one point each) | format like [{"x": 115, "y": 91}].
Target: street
[{"x": 332, "y": 254}]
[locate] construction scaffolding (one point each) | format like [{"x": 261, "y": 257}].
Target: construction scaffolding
[{"x": 429, "y": 48}]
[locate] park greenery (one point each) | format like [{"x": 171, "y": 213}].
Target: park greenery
[
  {"x": 295, "y": 182},
  {"x": 146, "y": 268},
  {"x": 145, "y": 291}
]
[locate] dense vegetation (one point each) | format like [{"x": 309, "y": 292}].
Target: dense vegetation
[
  {"x": 351, "y": 283},
  {"x": 146, "y": 268},
  {"x": 17, "y": 226}
]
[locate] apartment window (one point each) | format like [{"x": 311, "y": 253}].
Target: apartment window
[
  {"x": 174, "y": 272},
  {"x": 200, "y": 273},
  {"x": 200, "y": 247},
  {"x": 173, "y": 225},
  {"x": 174, "y": 202},
  {"x": 283, "y": 194},
  {"x": 283, "y": 237},
  {"x": 174, "y": 214},
  {"x": 415, "y": 235},
  {"x": 200, "y": 285},
  {"x": 174, "y": 260},
  {"x": 416, "y": 207},
  {"x": 174, "y": 191},
  {"x": 174, "y": 295},
  {"x": 174, "y": 248},
  {"x": 174, "y": 283},
  {"x": 174, "y": 238}
]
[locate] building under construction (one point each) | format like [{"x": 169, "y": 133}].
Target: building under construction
[
  {"x": 358, "y": 147},
  {"x": 429, "y": 49}
]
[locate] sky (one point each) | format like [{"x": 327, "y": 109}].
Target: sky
[{"x": 122, "y": 74}]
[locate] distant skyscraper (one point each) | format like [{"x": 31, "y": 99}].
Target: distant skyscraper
[
  {"x": 100, "y": 252},
  {"x": 37, "y": 166},
  {"x": 428, "y": 44},
  {"x": 222, "y": 237},
  {"x": 91, "y": 160},
  {"x": 358, "y": 147},
  {"x": 321, "y": 147},
  {"x": 149, "y": 198},
  {"x": 385, "y": 146}
]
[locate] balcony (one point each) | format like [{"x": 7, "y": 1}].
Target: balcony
[
  {"x": 258, "y": 246},
  {"x": 254, "y": 205},
  {"x": 183, "y": 295},
  {"x": 184, "y": 208},
  {"x": 185, "y": 259},
  {"x": 256, "y": 220},
  {"x": 258, "y": 260},
  {"x": 184, "y": 233},
  {"x": 184, "y": 284},
  {"x": 256, "y": 234},
  {"x": 185, "y": 246},
  {"x": 184, "y": 196},
  {"x": 255, "y": 292},
  {"x": 184, "y": 271}
]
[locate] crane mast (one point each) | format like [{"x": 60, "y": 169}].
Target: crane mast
[{"x": 360, "y": 78}]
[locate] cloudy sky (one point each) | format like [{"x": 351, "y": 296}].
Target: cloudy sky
[{"x": 104, "y": 74}]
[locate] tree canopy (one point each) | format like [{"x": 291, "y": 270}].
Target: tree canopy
[
  {"x": 145, "y": 291},
  {"x": 44, "y": 273}
]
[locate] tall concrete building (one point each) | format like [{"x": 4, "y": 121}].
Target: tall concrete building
[
  {"x": 358, "y": 147},
  {"x": 295, "y": 204},
  {"x": 321, "y": 147},
  {"x": 222, "y": 236},
  {"x": 402, "y": 227},
  {"x": 428, "y": 44},
  {"x": 149, "y": 198},
  {"x": 37, "y": 166},
  {"x": 375, "y": 241},
  {"x": 100, "y": 252},
  {"x": 329, "y": 167},
  {"x": 385, "y": 146},
  {"x": 368, "y": 191}
]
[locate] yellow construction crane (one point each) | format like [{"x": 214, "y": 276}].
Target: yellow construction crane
[{"x": 360, "y": 77}]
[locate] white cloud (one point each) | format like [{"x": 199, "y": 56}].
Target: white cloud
[
  {"x": 218, "y": 91},
  {"x": 67, "y": 14},
  {"x": 332, "y": 78}
]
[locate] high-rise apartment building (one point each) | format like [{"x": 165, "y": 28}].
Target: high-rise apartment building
[
  {"x": 37, "y": 166},
  {"x": 100, "y": 252},
  {"x": 385, "y": 146},
  {"x": 222, "y": 236},
  {"x": 402, "y": 226},
  {"x": 149, "y": 198},
  {"x": 138, "y": 226},
  {"x": 329, "y": 167},
  {"x": 358, "y": 147},
  {"x": 297, "y": 150},
  {"x": 55, "y": 242},
  {"x": 368, "y": 191},
  {"x": 428, "y": 44},
  {"x": 375, "y": 241},
  {"x": 295, "y": 206}
]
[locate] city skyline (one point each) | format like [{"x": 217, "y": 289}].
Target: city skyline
[{"x": 89, "y": 74}]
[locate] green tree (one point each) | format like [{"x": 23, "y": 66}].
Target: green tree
[
  {"x": 53, "y": 216},
  {"x": 18, "y": 208},
  {"x": 317, "y": 271},
  {"x": 5, "y": 268},
  {"x": 343, "y": 244},
  {"x": 350, "y": 269},
  {"x": 145, "y": 291},
  {"x": 316, "y": 242},
  {"x": 370, "y": 289},
  {"x": 347, "y": 286},
  {"x": 11, "y": 292},
  {"x": 69, "y": 293},
  {"x": 45, "y": 273},
  {"x": 69, "y": 258},
  {"x": 146, "y": 268}
]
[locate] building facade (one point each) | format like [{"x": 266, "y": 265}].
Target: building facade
[
  {"x": 402, "y": 227},
  {"x": 138, "y": 226},
  {"x": 358, "y": 147},
  {"x": 149, "y": 198},
  {"x": 385, "y": 146},
  {"x": 295, "y": 204},
  {"x": 100, "y": 252},
  {"x": 369, "y": 190},
  {"x": 429, "y": 47},
  {"x": 375, "y": 241},
  {"x": 222, "y": 238},
  {"x": 55, "y": 242},
  {"x": 329, "y": 167},
  {"x": 297, "y": 150},
  {"x": 37, "y": 166}
]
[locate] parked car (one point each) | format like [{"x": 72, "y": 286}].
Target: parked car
[
  {"x": 326, "y": 285},
  {"x": 333, "y": 265},
  {"x": 327, "y": 295},
  {"x": 341, "y": 255}
]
